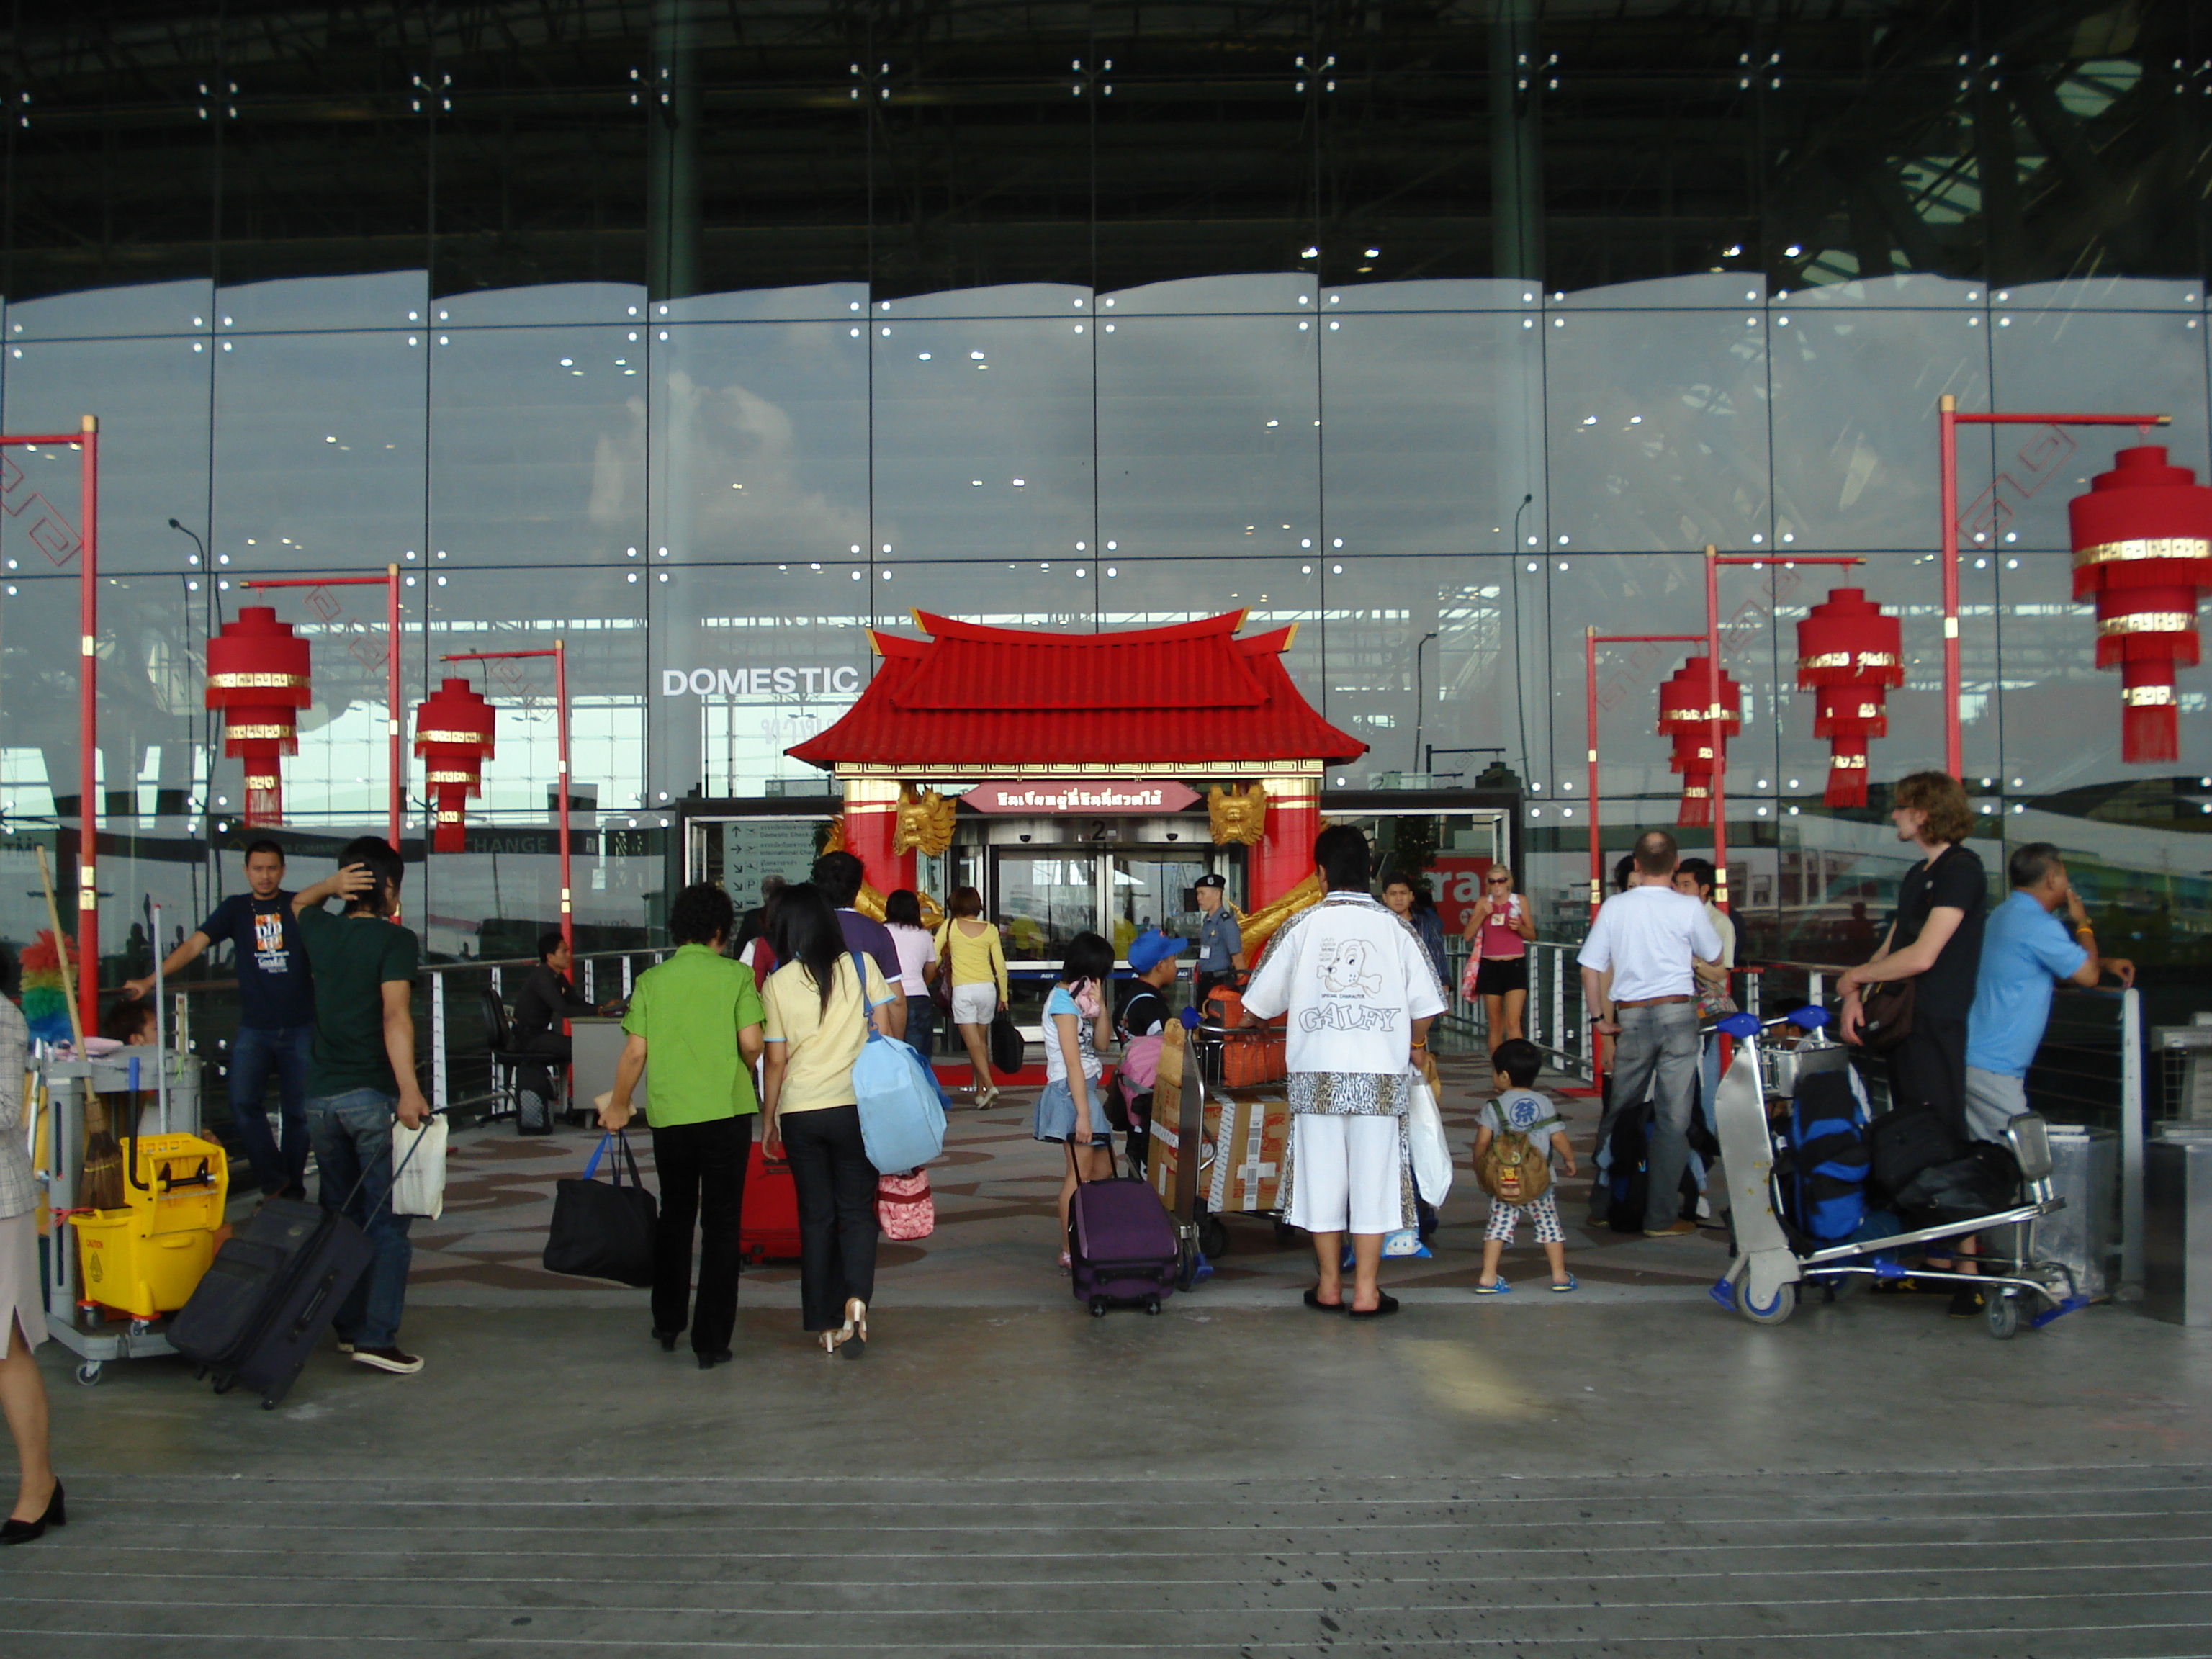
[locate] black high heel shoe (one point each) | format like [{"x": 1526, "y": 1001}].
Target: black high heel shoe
[
  {"x": 22, "y": 1532},
  {"x": 668, "y": 1340}
]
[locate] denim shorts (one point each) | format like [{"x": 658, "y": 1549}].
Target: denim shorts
[{"x": 1056, "y": 1115}]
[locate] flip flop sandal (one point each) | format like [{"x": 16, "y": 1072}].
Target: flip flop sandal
[
  {"x": 1314, "y": 1300},
  {"x": 1384, "y": 1303},
  {"x": 1496, "y": 1287},
  {"x": 1561, "y": 1290}
]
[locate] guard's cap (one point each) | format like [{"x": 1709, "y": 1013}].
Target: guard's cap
[
  {"x": 1210, "y": 881},
  {"x": 1151, "y": 948}
]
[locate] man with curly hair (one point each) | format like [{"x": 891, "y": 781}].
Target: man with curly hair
[{"x": 1934, "y": 940}]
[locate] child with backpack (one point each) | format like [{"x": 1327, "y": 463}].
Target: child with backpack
[{"x": 1520, "y": 1129}]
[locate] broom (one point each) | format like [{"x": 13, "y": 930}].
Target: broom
[{"x": 100, "y": 1175}]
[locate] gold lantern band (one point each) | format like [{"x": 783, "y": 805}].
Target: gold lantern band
[
  {"x": 477, "y": 738},
  {"x": 2148, "y": 622},
  {"x": 1851, "y": 658},
  {"x": 1696, "y": 792},
  {"x": 2148, "y": 696},
  {"x": 468, "y": 778},
  {"x": 256, "y": 682},
  {"x": 2158, "y": 547},
  {"x": 1847, "y": 762},
  {"x": 254, "y": 781},
  {"x": 259, "y": 733},
  {"x": 444, "y": 817}
]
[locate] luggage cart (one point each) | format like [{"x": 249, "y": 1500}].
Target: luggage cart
[
  {"x": 1773, "y": 1261},
  {"x": 1224, "y": 1052}
]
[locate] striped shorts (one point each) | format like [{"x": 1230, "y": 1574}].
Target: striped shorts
[{"x": 1543, "y": 1211}]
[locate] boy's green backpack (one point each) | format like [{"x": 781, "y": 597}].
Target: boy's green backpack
[{"x": 1513, "y": 1168}]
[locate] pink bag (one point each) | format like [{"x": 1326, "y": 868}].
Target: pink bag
[
  {"x": 904, "y": 1208},
  {"x": 1468, "y": 979}
]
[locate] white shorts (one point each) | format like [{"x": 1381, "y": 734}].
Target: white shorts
[
  {"x": 974, "y": 1004},
  {"x": 1348, "y": 1178}
]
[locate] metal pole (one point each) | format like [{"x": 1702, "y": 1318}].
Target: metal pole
[
  {"x": 2131, "y": 1136},
  {"x": 1946, "y": 439},
  {"x": 561, "y": 730},
  {"x": 396, "y": 805},
  {"x": 1713, "y": 728},
  {"x": 88, "y": 724},
  {"x": 1589, "y": 731}
]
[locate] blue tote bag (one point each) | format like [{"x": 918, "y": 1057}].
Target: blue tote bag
[{"x": 901, "y": 1108}]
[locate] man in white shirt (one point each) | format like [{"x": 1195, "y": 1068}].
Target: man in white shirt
[
  {"x": 1647, "y": 938},
  {"x": 1360, "y": 994}
]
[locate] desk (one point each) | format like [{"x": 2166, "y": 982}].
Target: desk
[{"x": 596, "y": 1042}]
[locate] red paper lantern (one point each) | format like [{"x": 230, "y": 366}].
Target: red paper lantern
[
  {"x": 453, "y": 735},
  {"x": 2142, "y": 547},
  {"x": 1685, "y": 714},
  {"x": 1849, "y": 655},
  {"x": 256, "y": 675}
]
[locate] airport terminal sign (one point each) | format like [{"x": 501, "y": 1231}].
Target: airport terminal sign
[{"x": 820, "y": 680}]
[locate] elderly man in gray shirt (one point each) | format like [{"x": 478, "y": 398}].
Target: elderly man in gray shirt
[{"x": 1637, "y": 978}]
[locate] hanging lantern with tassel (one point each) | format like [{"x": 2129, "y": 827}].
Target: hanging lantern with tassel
[
  {"x": 1686, "y": 715},
  {"x": 1849, "y": 655},
  {"x": 256, "y": 676},
  {"x": 2142, "y": 548},
  {"x": 454, "y": 736}
]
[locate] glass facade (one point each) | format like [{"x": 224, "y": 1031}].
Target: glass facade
[{"x": 706, "y": 351}]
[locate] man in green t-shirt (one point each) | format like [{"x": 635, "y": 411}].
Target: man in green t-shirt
[
  {"x": 698, "y": 1017},
  {"x": 361, "y": 1075}
]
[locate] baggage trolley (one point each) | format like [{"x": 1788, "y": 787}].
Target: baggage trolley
[{"x": 1773, "y": 1261}]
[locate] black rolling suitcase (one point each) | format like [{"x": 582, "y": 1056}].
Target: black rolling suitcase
[{"x": 270, "y": 1296}]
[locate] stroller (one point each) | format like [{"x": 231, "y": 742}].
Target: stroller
[{"x": 1776, "y": 1256}]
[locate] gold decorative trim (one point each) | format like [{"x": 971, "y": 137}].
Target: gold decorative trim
[
  {"x": 2148, "y": 622},
  {"x": 2148, "y": 696},
  {"x": 470, "y": 778},
  {"x": 422, "y": 736},
  {"x": 2155, "y": 547},
  {"x": 259, "y": 733},
  {"x": 256, "y": 682}
]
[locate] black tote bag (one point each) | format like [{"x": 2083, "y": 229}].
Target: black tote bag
[
  {"x": 602, "y": 1229},
  {"x": 1008, "y": 1051}
]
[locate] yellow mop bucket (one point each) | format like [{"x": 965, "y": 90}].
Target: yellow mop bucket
[{"x": 146, "y": 1258}]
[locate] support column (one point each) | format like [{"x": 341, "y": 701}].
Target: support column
[
  {"x": 871, "y": 823},
  {"x": 1516, "y": 148},
  {"x": 1283, "y": 857}
]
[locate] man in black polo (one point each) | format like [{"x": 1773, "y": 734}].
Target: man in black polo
[
  {"x": 839, "y": 875},
  {"x": 276, "y": 1015}
]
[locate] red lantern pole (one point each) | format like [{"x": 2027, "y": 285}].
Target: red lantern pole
[
  {"x": 87, "y": 726},
  {"x": 560, "y": 655},
  {"x": 395, "y": 811},
  {"x": 1714, "y": 559},
  {"x": 1591, "y": 640},
  {"x": 1948, "y": 420}
]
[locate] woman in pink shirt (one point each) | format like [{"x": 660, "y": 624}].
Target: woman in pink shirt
[{"x": 1499, "y": 926}]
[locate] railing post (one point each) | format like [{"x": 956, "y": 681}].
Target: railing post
[
  {"x": 2131, "y": 1136},
  {"x": 437, "y": 1092}
]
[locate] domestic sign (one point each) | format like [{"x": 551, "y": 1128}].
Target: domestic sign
[
  {"x": 1099, "y": 797},
  {"x": 821, "y": 680}
]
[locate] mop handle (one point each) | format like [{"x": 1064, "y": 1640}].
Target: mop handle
[{"x": 160, "y": 1027}]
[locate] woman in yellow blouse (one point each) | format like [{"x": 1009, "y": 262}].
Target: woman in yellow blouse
[{"x": 967, "y": 949}]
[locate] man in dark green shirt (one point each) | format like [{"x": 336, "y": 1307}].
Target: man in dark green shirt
[{"x": 361, "y": 1075}]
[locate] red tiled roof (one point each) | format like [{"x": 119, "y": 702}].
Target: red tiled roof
[{"x": 998, "y": 697}]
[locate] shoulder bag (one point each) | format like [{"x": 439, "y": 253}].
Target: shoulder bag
[
  {"x": 1886, "y": 1010},
  {"x": 602, "y": 1229},
  {"x": 901, "y": 1108}
]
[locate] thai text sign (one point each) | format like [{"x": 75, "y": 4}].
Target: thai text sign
[{"x": 1101, "y": 797}]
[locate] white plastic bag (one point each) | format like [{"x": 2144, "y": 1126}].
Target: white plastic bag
[
  {"x": 1424, "y": 1130},
  {"x": 418, "y": 1159}
]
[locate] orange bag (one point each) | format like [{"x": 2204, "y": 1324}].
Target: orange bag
[{"x": 1254, "y": 1057}]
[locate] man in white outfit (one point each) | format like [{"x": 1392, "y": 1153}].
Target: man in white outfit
[
  {"x": 1647, "y": 936},
  {"x": 1360, "y": 994}
]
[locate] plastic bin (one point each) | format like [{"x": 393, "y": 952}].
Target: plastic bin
[{"x": 146, "y": 1258}]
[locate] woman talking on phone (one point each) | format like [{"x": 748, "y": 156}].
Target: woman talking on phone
[
  {"x": 1078, "y": 1023},
  {"x": 1499, "y": 927}
]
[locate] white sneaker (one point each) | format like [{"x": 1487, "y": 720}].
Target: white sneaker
[{"x": 389, "y": 1359}]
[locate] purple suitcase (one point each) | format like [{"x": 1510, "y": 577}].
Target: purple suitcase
[{"x": 1121, "y": 1246}]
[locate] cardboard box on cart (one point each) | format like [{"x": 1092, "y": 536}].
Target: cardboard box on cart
[
  {"x": 1250, "y": 1130},
  {"x": 1164, "y": 1160}
]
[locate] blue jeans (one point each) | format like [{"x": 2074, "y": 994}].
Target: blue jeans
[
  {"x": 353, "y": 1145},
  {"x": 1658, "y": 1050},
  {"x": 921, "y": 1024},
  {"x": 253, "y": 1053}
]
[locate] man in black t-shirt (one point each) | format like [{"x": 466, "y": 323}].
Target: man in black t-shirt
[
  {"x": 1934, "y": 940},
  {"x": 276, "y": 1015},
  {"x": 839, "y": 876}
]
